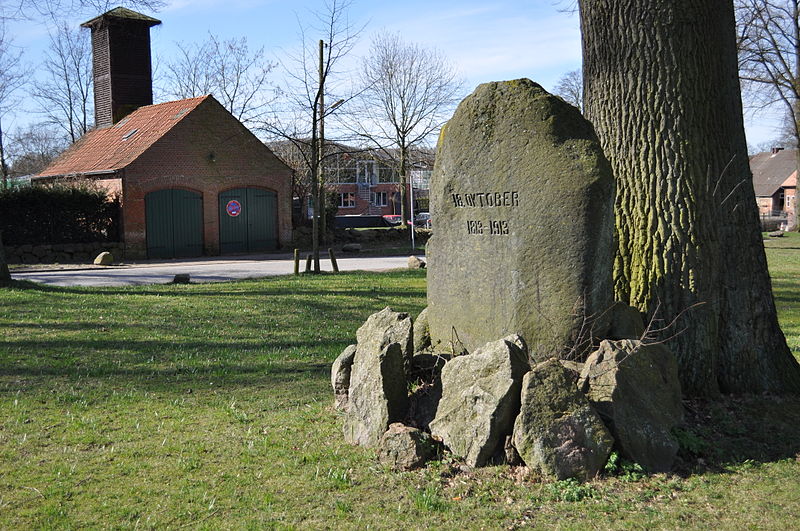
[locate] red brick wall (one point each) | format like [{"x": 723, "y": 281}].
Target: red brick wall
[{"x": 208, "y": 152}]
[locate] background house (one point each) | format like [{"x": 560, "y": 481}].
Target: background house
[
  {"x": 365, "y": 182},
  {"x": 775, "y": 183},
  {"x": 191, "y": 178}
]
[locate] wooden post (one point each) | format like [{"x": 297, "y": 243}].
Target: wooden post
[
  {"x": 308, "y": 264},
  {"x": 5, "y": 274},
  {"x": 297, "y": 261},
  {"x": 333, "y": 260}
]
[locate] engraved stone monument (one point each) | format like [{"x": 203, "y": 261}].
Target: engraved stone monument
[{"x": 523, "y": 242}]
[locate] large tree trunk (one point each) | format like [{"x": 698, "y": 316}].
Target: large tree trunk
[{"x": 662, "y": 90}]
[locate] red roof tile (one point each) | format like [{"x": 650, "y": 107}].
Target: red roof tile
[{"x": 113, "y": 148}]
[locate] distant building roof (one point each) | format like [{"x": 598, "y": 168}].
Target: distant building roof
[
  {"x": 112, "y": 148},
  {"x": 773, "y": 170}
]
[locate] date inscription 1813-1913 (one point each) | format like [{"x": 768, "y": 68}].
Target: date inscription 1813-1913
[{"x": 491, "y": 227}]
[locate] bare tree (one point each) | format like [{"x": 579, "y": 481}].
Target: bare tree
[
  {"x": 33, "y": 147},
  {"x": 54, "y": 9},
  {"x": 228, "y": 69},
  {"x": 64, "y": 95},
  {"x": 769, "y": 59},
  {"x": 311, "y": 73},
  {"x": 12, "y": 77},
  {"x": 409, "y": 93},
  {"x": 570, "y": 88}
]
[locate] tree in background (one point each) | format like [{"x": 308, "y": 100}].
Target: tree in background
[
  {"x": 12, "y": 78},
  {"x": 236, "y": 76},
  {"x": 570, "y": 88},
  {"x": 64, "y": 95},
  {"x": 663, "y": 94},
  {"x": 769, "y": 60},
  {"x": 312, "y": 74},
  {"x": 33, "y": 147},
  {"x": 768, "y": 41},
  {"x": 408, "y": 93},
  {"x": 55, "y": 9}
]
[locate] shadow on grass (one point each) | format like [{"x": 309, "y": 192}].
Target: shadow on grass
[{"x": 733, "y": 431}]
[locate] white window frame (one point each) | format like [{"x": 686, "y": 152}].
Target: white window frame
[{"x": 351, "y": 200}]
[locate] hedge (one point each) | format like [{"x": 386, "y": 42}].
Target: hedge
[{"x": 39, "y": 215}]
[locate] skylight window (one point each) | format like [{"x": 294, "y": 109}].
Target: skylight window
[
  {"x": 129, "y": 134},
  {"x": 121, "y": 122},
  {"x": 181, "y": 113}
]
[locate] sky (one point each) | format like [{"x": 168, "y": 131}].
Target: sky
[{"x": 486, "y": 41}]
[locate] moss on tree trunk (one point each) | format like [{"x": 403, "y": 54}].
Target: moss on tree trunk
[{"x": 662, "y": 90}]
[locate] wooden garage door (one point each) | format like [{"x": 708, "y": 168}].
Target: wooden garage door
[
  {"x": 248, "y": 220},
  {"x": 174, "y": 224}
]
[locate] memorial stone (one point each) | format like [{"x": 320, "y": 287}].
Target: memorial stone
[{"x": 523, "y": 199}]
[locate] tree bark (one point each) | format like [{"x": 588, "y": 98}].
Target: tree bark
[
  {"x": 661, "y": 87},
  {"x": 5, "y": 274}
]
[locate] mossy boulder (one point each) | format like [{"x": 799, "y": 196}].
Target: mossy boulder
[
  {"x": 480, "y": 399},
  {"x": 514, "y": 167},
  {"x": 635, "y": 388},
  {"x": 557, "y": 432}
]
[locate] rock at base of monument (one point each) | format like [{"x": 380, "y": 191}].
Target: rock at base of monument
[
  {"x": 480, "y": 399},
  {"x": 385, "y": 327},
  {"x": 415, "y": 263},
  {"x": 422, "y": 332},
  {"x": 340, "y": 377},
  {"x": 351, "y": 248},
  {"x": 626, "y": 322},
  {"x": 181, "y": 278},
  {"x": 105, "y": 258},
  {"x": 377, "y": 396},
  {"x": 557, "y": 432},
  {"x": 776, "y": 234},
  {"x": 406, "y": 448},
  {"x": 635, "y": 389}
]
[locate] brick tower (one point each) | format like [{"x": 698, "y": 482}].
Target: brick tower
[{"x": 121, "y": 64}]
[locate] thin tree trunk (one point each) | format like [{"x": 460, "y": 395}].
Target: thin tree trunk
[
  {"x": 662, "y": 90},
  {"x": 5, "y": 274},
  {"x": 403, "y": 184}
]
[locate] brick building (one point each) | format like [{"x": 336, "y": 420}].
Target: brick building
[
  {"x": 366, "y": 181},
  {"x": 775, "y": 183},
  {"x": 191, "y": 178}
]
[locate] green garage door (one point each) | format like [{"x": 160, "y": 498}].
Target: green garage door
[
  {"x": 248, "y": 220},
  {"x": 174, "y": 223}
]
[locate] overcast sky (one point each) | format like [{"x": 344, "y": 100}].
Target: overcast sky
[{"x": 487, "y": 41}]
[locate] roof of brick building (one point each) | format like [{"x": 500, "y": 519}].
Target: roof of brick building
[
  {"x": 113, "y": 148},
  {"x": 773, "y": 170}
]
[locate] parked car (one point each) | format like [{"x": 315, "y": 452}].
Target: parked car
[
  {"x": 392, "y": 219},
  {"x": 423, "y": 220}
]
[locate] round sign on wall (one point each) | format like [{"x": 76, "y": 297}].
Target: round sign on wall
[{"x": 233, "y": 208}]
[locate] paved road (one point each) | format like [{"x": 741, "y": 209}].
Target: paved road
[{"x": 207, "y": 270}]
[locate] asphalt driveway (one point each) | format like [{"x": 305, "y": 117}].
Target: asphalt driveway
[{"x": 199, "y": 270}]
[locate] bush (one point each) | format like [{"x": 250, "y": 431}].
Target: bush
[{"x": 38, "y": 215}]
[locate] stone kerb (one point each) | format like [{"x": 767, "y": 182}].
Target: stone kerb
[{"x": 523, "y": 199}]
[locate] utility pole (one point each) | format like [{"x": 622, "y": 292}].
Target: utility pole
[{"x": 321, "y": 179}]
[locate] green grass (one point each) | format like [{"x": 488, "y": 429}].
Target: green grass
[{"x": 209, "y": 406}]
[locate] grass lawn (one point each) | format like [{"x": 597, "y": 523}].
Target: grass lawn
[{"x": 209, "y": 406}]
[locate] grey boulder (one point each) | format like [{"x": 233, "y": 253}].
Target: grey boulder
[
  {"x": 405, "y": 448},
  {"x": 377, "y": 394},
  {"x": 635, "y": 388},
  {"x": 480, "y": 399},
  {"x": 340, "y": 376},
  {"x": 557, "y": 432}
]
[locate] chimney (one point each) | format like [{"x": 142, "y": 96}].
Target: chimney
[
  {"x": 775, "y": 150},
  {"x": 121, "y": 64}
]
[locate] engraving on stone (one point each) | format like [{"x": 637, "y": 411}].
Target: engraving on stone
[
  {"x": 486, "y": 199},
  {"x": 474, "y": 227}
]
